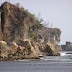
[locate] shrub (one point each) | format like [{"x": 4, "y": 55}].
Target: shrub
[{"x": 18, "y": 4}]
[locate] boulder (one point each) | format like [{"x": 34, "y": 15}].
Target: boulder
[
  {"x": 4, "y": 49},
  {"x": 50, "y": 49}
]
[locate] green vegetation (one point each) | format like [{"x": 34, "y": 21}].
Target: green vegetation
[
  {"x": 39, "y": 23},
  {"x": 18, "y": 4},
  {"x": 32, "y": 34},
  {"x": 37, "y": 26},
  {"x": 33, "y": 18}
]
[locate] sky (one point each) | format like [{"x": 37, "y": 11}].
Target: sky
[{"x": 58, "y": 13}]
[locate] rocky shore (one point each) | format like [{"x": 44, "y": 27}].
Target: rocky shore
[{"x": 23, "y": 36}]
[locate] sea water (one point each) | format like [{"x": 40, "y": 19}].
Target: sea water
[{"x": 46, "y": 64}]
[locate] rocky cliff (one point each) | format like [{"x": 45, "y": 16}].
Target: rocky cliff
[
  {"x": 23, "y": 36},
  {"x": 1, "y": 35}
]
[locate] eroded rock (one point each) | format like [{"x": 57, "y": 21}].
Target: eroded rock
[
  {"x": 21, "y": 38},
  {"x": 1, "y": 34}
]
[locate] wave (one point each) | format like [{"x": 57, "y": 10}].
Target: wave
[{"x": 65, "y": 53}]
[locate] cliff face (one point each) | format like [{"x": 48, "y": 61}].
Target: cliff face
[
  {"x": 1, "y": 36},
  {"x": 52, "y": 36},
  {"x": 67, "y": 47},
  {"x": 15, "y": 23},
  {"x": 22, "y": 35}
]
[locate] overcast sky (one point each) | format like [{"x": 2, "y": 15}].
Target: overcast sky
[{"x": 56, "y": 12}]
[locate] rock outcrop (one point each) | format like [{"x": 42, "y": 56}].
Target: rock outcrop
[
  {"x": 52, "y": 36},
  {"x": 1, "y": 35},
  {"x": 22, "y": 35},
  {"x": 15, "y": 23}
]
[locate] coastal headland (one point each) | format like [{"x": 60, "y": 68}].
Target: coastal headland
[{"x": 24, "y": 36}]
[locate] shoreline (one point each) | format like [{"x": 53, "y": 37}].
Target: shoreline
[
  {"x": 23, "y": 58},
  {"x": 16, "y": 59}
]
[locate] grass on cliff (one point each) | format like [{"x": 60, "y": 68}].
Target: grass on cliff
[{"x": 37, "y": 23}]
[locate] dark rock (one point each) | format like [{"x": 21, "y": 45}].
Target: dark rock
[{"x": 1, "y": 34}]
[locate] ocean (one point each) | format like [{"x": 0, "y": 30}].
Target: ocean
[{"x": 46, "y": 64}]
